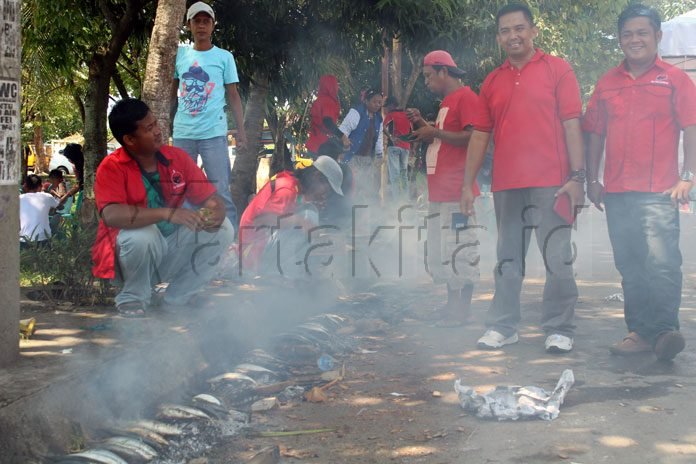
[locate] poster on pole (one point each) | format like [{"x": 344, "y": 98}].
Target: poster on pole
[{"x": 10, "y": 49}]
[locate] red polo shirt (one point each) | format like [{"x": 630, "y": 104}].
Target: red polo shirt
[
  {"x": 445, "y": 162},
  {"x": 397, "y": 124},
  {"x": 119, "y": 180},
  {"x": 278, "y": 197},
  {"x": 525, "y": 109},
  {"x": 641, "y": 119}
]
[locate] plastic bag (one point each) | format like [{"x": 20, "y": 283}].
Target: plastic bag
[{"x": 515, "y": 402}]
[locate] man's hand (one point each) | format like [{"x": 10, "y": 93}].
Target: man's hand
[
  {"x": 213, "y": 213},
  {"x": 466, "y": 203},
  {"x": 595, "y": 192},
  {"x": 414, "y": 116},
  {"x": 346, "y": 141},
  {"x": 426, "y": 133},
  {"x": 576, "y": 192},
  {"x": 680, "y": 192},
  {"x": 186, "y": 217}
]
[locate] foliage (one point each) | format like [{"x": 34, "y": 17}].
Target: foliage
[{"x": 63, "y": 270}]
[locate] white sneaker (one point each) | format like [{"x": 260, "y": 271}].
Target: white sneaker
[
  {"x": 493, "y": 339},
  {"x": 557, "y": 343}
]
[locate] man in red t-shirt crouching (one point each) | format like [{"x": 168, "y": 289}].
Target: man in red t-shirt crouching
[{"x": 145, "y": 234}]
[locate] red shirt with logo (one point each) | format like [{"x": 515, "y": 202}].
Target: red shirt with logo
[
  {"x": 525, "y": 109},
  {"x": 278, "y": 197},
  {"x": 445, "y": 162},
  {"x": 119, "y": 181},
  {"x": 641, "y": 119},
  {"x": 397, "y": 123}
]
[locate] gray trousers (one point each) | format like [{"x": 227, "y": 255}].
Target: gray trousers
[
  {"x": 519, "y": 213},
  {"x": 452, "y": 256},
  {"x": 187, "y": 260}
]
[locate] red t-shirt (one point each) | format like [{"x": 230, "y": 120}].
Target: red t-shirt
[
  {"x": 278, "y": 197},
  {"x": 445, "y": 162},
  {"x": 525, "y": 109},
  {"x": 397, "y": 123},
  {"x": 642, "y": 119},
  {"x": 119, "y": 180}
]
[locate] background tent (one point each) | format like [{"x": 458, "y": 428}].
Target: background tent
[{"x": 678, "y": 45}]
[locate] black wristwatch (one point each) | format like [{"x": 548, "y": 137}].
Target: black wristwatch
[
  {"x": 687, "y": 176},
  {"x": 578, "y": 176}
]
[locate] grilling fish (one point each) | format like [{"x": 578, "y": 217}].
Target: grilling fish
[
  {"x": 148, "y": 436},
  {"x": 94, "y": 456},
  {"x": 180, "y": 412},
  {"x": 205, "y": 398},
  {"x": 159, "y": 427},
  {"x": 232, "y": 377},
  {"x": 131, "y": 449}
]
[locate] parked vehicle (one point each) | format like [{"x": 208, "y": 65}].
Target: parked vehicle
[{"x": 59, "y": 161}]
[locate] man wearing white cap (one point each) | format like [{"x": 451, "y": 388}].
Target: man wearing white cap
[
  {"x": 282, "y": 212},
  {"x": 205, "y": 76}
]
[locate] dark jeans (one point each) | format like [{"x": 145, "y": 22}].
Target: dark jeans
[
  {"x": 644, "y": 233},
  {"x": 519, "y": 213}
]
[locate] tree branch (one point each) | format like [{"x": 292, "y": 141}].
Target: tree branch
[
  {"x": 108, "y": 14},
  {"x": 120, "y": 85}
]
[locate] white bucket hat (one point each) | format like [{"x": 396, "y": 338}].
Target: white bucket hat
[{"x": 332, "y": 171}]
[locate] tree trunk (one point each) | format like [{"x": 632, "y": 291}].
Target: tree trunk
[
  {"x": 96, "y": 104},
  {"x": 102, "y": 66},
  {"x": 385, "y": 65},
  {"x": 402, "y": 92},
  {"x": 281, "y": 155},
  {"x": 157, "y": 88},
  {"x": 41, "y": 161},
  {"x": 396, "y": 74},
  {"x": 416, "y": 69},
  {"x": 244, "y": 170}
]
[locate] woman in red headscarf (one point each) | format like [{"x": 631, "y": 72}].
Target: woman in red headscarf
[{"x": 324, "y": 114}]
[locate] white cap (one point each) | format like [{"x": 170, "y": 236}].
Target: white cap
[
  {"x": 331, "y": 170},
  {"x": 199, "y": 7}
]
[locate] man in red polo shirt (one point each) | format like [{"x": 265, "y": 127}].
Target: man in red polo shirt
[
  {"x": 452, "y": 245},
  {"x": 532, "y": 105},
  {"x": 145, "y": 235},
  {"x": 639, "y": 109}
]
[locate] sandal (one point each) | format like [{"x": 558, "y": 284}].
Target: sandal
[{"x": 132, "y": 309}]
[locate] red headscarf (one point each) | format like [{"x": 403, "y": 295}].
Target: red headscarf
[{"x": 326, "y": 105}]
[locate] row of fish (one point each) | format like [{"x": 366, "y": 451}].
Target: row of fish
[{"x": 230, "y": 393}]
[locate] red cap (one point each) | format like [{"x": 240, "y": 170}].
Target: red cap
[{"x": 441, "y": 58}]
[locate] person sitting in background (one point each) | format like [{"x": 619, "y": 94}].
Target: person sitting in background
[
  {"x": 56, "y": 184},
  {"x": 145, "y": 235},
  {"x": 282, "y": 212},
  {"x": 35, "y": 207}
]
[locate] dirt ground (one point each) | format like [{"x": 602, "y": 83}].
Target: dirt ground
[
  {"x": 385, "y": 409},
  {"x": 620, "y": 410}
]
